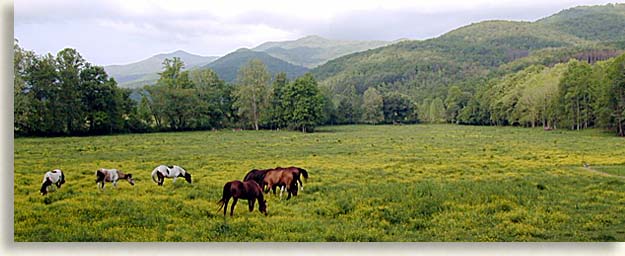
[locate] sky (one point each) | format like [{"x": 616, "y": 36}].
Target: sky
[{"x": 109, "y": 32}]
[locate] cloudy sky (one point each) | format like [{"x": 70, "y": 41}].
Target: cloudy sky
[{"x": 123, "y": 31}]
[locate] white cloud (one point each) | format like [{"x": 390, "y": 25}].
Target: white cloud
[{"x": 217, "y": 27}]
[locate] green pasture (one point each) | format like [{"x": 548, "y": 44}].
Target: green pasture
[{"x": 367, "y": 183}]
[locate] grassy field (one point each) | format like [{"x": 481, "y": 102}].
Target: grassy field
[{"x": 368, "y": 183}]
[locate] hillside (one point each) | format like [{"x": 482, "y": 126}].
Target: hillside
[
  {"x": 312, "y": 51},
  {"x": 604, "y": 23},
  {"x": 470, "y": 53},
  {"x": 146, "y": 71},
  {"x": 228, "y": 66}
]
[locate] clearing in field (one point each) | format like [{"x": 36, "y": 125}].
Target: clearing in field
[{"x": 367, "y": 183}]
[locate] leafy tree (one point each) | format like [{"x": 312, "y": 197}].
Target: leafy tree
[
  {"x": 437, "y": 111},
  {"x": 303, "y": 103},
  {"x": 22, "y": 100},
  {"x": 276, "y": 114},
  {"x": 252, "y": 91},
  {"x": 215, "y": 99},
  {"x": 398, "y": 108},
  {"x": 616, "y": 92},
  {"x": 455, "y": 101},
  {"x": 173, "y": 76},
  {"x": 372, "y": 106},
  {"x": 69, "y": 64}
]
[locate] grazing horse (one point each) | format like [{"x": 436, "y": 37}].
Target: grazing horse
[
  {"x": 296, "y": 174},
  {"x": 161, "y": 172},
  {"x": 281, "y": 178},
  {"x": 52, "y": 177},
  {"x": 111, "y": 175},
  {"x": 259, "y": 177},
  {"x": 248, "y": 190}
]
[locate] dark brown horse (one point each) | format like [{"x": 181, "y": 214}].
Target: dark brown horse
[{"x": 248, "y": 190}]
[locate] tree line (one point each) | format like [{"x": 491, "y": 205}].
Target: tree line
[
  {"x": 574, "y": 95},
  {"x": 65, "y": 95}
]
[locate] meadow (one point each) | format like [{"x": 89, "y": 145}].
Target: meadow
[{"x": 367, "y": 183}]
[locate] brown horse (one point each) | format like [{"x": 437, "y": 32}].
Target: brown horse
[
  {"x": 259, "y": 175},
  {"x": 111, "y": 175},
  {"x": 297, "y": 172},
  {"x": 281, "y": 178},
  {"x": 248, "y": 190}
]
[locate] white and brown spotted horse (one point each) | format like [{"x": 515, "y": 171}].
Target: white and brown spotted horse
[
  {"x": 161, "y": 172},
  {"x": 55, "y": 177},
  {"x": 111, "y": 175}
]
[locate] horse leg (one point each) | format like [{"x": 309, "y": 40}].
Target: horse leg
[
  {"x": 288, "y": 189},
  {"x": 250, "y": 202},
  {"x": 281, "y": 190},
  {"x": 226, "y": 206},
  {"x": 175, "y": 179},
  {"x": 234, "y": 202}
]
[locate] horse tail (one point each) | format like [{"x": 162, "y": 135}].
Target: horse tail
[
  {"x": 154, "y": 174},
  {"x": 225, "y": 196},
  {"x": 303, "y": 172}
]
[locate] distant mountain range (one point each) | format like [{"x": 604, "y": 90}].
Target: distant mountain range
[
  {"x": 144, "y": 72},
  {"x": 423, "y": 68},
  {"x": 293, "y": 57},
  {"x": 312, "y": 51}
]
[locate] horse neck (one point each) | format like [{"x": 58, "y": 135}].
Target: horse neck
[
  {"x": 121, "y": 175},
  {"x": 179, "y": 170}
]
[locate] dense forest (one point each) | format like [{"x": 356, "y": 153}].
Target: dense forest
[{"x": 543, "y": 73}]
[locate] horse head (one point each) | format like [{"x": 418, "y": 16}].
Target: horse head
[
  {"x": 187, "y": 177},
  {"x": 129, "y": 179},
  {"x": 262, "y": 206},
  {"x": 185, "y": 174}
]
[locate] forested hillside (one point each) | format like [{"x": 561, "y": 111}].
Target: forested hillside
[
  {"x": 423, "y": 69},
  {"x": 227, "y": 66}
]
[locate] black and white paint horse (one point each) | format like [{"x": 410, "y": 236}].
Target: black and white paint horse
[
  {"x": 111, "y": 175},
  {"x": 161, "y": 172},
  {"x": 55, "y": 177}
]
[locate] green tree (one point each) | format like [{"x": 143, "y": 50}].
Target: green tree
[
  {"x": 437, "y": 111},
  {"x": 303, "y": 103},
  {"x": 22, "y": 99},
  {"x": 372, "y": 106},
  {"x": 173, "y": 75},
  {"x": 616, "y": 92},
  {"x": 456, "y": 100},
  {"x": 398, "y": 108},
  {"x": 276, "y": 115},
  {"x": 215, "y": 99},
  {"x": 69, "y": 64},
  {"x": 252, "y": 91}
]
